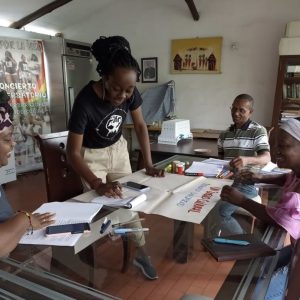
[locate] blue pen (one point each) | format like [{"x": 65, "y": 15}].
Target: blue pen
[
  {"x": 105, "y": 225},
  {"x": 232, "y": 242},
  {"x": 128, "y": 230}
]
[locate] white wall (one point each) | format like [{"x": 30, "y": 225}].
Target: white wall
[{"x": 256, "y": 26}]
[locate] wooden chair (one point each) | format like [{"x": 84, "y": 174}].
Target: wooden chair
[{"x": 63, "y": 183}]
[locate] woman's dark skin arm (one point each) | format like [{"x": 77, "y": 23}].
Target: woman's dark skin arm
[
  {"x": 13, "y": 229},
  {"x": 110, "y": 189},
  {"x": 233, "y": 196},
  {"x": 143, "y": 138},
  {"x": 249, "y": 177}
]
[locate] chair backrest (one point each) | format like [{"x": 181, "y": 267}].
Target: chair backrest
[{"x": 62, "y": 183}]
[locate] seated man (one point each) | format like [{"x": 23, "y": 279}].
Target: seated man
[{"x": 244, "y": 143}]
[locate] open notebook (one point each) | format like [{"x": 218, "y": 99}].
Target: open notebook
[{"x": 65, "y": 213}]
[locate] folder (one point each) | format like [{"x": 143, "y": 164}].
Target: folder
[{"x": 225, "y": 252}]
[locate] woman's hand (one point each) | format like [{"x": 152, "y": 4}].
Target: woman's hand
[
  {"x": 39, "y": 221},
  {"x": 239, "y": 162},
  {"x": 155, "y": 172},
  {"x": 249, "y": 177},
  {"x": 110, "y": 189},
  {"x": 232, "y": 195}
]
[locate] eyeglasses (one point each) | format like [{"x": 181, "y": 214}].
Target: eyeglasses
[{"x": 242, "y": 111}]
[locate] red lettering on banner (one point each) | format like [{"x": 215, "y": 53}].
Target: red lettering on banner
[{"x": 200, "y": 203}]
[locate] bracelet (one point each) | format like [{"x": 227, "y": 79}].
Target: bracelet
[
  {"x": 28, "y": 215},
  {"x": 96, "y": 183}
]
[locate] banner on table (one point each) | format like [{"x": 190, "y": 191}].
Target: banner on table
[{"x": 22, "y": 75}]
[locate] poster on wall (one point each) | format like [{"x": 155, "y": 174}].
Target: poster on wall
[
  {"x": 199, "y": 55},
  {"x": 22, "y": 76}
]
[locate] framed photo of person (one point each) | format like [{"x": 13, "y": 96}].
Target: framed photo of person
[{"x": 149, "y": 69}]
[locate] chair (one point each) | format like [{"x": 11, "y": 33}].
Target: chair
[{"x": 63, "y": 183}]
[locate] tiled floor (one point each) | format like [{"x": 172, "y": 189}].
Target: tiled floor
[{"x": 202, "y": 275}]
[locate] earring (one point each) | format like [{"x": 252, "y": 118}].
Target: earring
[{"x": 103, "y": 90}]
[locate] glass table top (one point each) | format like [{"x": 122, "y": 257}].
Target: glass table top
[{"x": 182, "y": 263}]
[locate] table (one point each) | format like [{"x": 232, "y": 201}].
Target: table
[
  {"x": 166, "y": 239},
  {"x": 160, "y": 152},
  {"x": 20, "y": 279}
]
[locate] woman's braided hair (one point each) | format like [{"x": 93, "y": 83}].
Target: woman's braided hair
[{"x": 113, "y": 52}]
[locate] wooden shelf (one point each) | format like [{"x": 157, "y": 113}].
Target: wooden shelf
[
  {"x": 291, "y": 80},
  {"x": 285, "y": 85}
]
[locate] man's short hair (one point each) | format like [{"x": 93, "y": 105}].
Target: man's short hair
[{"x": 245, "y": 97}]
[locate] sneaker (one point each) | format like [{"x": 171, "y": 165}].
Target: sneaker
[{"x": 146, "y": 267}]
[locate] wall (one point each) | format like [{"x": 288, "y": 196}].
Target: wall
[{"x": 256, "y": 26}]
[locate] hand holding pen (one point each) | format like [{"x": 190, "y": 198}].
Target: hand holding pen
[
  {"x": 225, "y": 173},
  {"x": 110, "y": 189}
]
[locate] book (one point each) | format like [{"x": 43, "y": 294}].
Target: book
[{"x": 226, "y": 252}]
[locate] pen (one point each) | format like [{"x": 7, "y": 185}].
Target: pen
[
  {"x": 128, "y": 230},
  {"x": 193, "y": 174},
  {"x": 232, "y": 242},
  {"x": 105, "y": 225},
  {"x": 129, "y": 222}
]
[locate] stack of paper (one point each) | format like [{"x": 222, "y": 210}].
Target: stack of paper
[{"x": 203, "y": 169}]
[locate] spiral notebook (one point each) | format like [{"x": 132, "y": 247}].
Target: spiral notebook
[{"x": 225, "y": 252}]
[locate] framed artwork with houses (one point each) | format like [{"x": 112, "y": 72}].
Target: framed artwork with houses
[{"x": 198, "y": 55}]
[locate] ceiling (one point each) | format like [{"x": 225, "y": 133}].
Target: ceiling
[
  {"x": 59, "y": 19},
  {"x": 71, "y": 13}
]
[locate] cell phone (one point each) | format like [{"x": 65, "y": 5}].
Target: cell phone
[
  {"x": 136, "y": 186},
  {"x": 67, "y": 229}
]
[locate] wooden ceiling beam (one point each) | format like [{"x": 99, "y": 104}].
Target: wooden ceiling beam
[
  {"x": 193, "y": 9},
  {"x": 38, "y": 13}
]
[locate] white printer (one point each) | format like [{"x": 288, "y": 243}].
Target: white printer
[{"x": 175, "y": 130}]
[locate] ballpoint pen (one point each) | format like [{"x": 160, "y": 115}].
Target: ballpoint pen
[
  {"x": 128, "y": 230},
  {"x": 105, "y": 225},
  {"x": 232, "y": 242},
  {"x": 129, "y": 222}
]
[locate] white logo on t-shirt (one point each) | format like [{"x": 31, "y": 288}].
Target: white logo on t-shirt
[{"x": 113, "y": 124}]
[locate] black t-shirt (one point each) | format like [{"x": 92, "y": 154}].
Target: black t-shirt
[{"x": 98, "y": 120}]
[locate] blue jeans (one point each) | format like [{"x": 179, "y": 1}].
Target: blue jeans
[
  {"x": 223, "y": 221},
  {"x": 279, "y": 277}
]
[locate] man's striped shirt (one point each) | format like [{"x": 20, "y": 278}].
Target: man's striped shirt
[{"x": 249, "y": 140}]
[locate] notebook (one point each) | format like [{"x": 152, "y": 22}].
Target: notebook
[{"x": 224, "y": 252}]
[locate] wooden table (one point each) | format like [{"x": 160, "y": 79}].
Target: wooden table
[{"x": 161, "y": 152}]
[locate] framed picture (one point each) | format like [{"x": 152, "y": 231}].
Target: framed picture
[
  {"x": 199, "y": 55},
  {"x": 149, "y": 69}
]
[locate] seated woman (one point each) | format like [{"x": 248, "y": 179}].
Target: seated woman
[
  {"x": 286, "y": 213},
  {"x": 13, "y": 226}
]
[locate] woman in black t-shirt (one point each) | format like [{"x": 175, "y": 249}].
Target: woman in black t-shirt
[
  {"x": 99, "y": 111},
  {"x": 96, "y": 149}
]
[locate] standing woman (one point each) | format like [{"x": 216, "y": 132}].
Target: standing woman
[{"x": 96, "y": 148}]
